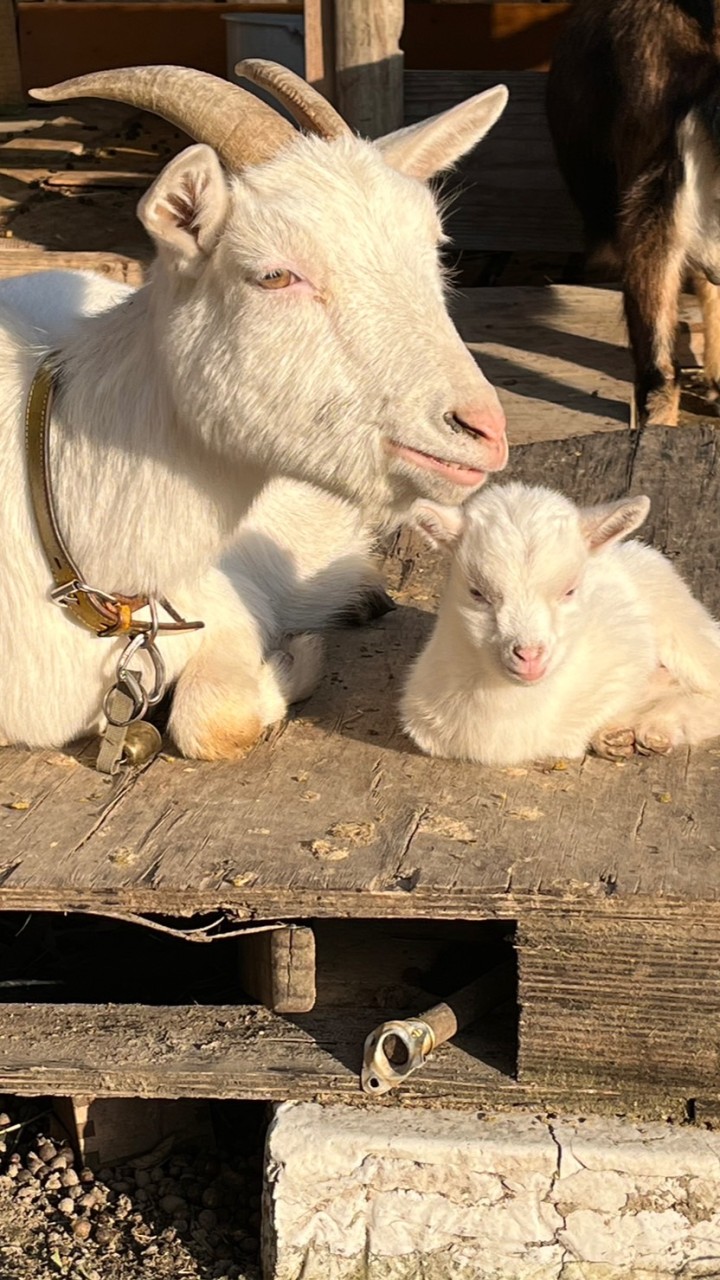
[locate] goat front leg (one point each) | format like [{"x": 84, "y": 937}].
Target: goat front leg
[
  {"x": 653, "y": 256},
  {"x": 229, "y": 690}
]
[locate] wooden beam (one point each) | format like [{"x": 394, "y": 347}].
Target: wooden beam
[
  {"x": 247, "y": 1052},
  {"x": 320, "y": 46},
  {"x": 11, "y": 93},
  {"x": 369, "y": 64},
  {"x": 278, "y": 968},
  {"x": 21, "y": 262}
]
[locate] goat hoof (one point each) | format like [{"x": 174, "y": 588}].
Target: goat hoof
[
  {"x": 614, "y": 744},
  {"x": 651, "y": 742}
]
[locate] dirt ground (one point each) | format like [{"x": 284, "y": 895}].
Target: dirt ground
[{"x": 172, "y": 1214}]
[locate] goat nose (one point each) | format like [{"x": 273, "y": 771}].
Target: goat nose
[
  {"x": 486, "y": 420},
  {"x": 529, "y": 652}
]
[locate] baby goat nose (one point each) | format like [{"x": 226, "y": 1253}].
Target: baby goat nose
[{"x": 529, "y": 653}]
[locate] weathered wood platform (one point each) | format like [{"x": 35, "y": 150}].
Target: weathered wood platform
[{"x": 610, "y": 873}]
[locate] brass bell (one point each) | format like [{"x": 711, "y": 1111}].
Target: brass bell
[{"x": 142, "y": 742}]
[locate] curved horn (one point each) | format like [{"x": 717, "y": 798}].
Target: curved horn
[
  {"x": 236, "y": 124},
  {"x": 305, "y": 104}
]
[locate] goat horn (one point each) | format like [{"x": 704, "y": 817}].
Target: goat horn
[
  {"x": 235, "y": 123},
  {"x": 305, "y": 104}
]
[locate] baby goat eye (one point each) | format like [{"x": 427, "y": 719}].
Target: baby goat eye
[
  {"x": 278, "y": 279},
  {"x": 478, "y": 595},
  {"x": 568, "y": 595}
]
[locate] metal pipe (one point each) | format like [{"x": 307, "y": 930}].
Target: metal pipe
[{"x": 395, "y": 1049}]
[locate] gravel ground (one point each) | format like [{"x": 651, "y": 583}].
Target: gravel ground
[{"x": 189, "y": 1215}]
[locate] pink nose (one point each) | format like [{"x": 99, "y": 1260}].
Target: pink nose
[
  {"x": 530, "y": 661},
  {"x": 532, "y": 653},
  {"x": 487, "y": 421}
]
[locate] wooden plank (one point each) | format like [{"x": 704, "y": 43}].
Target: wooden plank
[
  {"x": 369, "y": 64},
  {"x": 98, "y": 178},
  {"x": 278, "y": 968},
  {"x": 510, "y": 192},
  {"x": 248, "y": 1052},
  {"x": 620, "y": 1003},
  {"x": 20, "y": 262}
]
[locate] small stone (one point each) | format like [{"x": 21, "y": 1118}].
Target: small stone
[
  {"x": 157, "y": 1174},
  {"x": 121, "y": 1187},
  {"x": 103, "y": 1234},
  {"x": 87, "y": 1177},
  {"x": 82, "y": 1229},
  {"x": 173, "y": 1204},
  {"x": 106, "y": 1175},
  {"x": 249, "y": 1245},
  {"x": 69, "y": 1178},
  {"x": 211, "y": 1198},
  {"x": 142, "y": 1178},
  {"x": 66, "y": 1206},
  {"x": 4, "y": 1120},
  {"x": 6, "y": 1182},
  {"x": 59, "y": 1162},
  {"x": 207, "y": 1219},
  {"x": 123, "y": 1207},
  {"x": 53, "y": 1181},
  {"x": 47, "y": 1151},
  {"x": 24, "y": 1177},
  {"x": 88, "y": 1201}
]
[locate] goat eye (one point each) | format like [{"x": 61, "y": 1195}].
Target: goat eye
[
  {"x": 478, "y": 595},
  {"x": 568, "y": 595},
  {"x": 278, "y": 279}
]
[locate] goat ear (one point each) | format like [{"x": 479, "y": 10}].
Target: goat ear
[
  {"x": 424, "y": 149},
  {"x": 185, "y": 208},
  {"x": 604, "y": 525},
  {"x": 437, "y": 523}
]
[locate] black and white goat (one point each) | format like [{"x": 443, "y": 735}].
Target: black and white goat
[{"x": 634, "y": 110}]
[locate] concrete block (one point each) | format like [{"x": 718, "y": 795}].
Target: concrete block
[{"x": 355, "y": 1194}]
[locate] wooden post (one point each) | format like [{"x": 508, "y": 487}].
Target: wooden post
[
  {"x": 320, "y": 46},
  {"x": 369, "y": 64},
  {"x": 278, "y": 968},
  {"x": 11, "y": 93}
]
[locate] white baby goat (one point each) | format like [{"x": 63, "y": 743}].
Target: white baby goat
[
  {"x": 553, "y": 636},
  {"x": 294, "y": 325}
]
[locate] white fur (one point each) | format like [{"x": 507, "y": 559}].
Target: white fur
[
  {"x": 632, "y": 658},
  {"x": 181, "y": 400}
]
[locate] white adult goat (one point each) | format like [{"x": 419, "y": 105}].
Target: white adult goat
[
  {"x": 294, "y": 325},
  {"x": 552, "y": 636}
]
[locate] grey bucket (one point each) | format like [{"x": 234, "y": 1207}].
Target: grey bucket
[{"x": 280, "y": 37}]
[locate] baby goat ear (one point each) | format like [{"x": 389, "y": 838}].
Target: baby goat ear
[
  {"x": 424, "y": 149},
  {"x": 437, "y": 523},
  {"x": 604, "y": 525},
  {"x": 185, "y": 208}
]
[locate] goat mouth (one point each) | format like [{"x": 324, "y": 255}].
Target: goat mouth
[
  {"x": 470, "y": 477},
  {"x": 533, "y": 676}
]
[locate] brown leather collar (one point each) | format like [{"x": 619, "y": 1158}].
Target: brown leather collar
[{"x": 105, "y": 613}]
